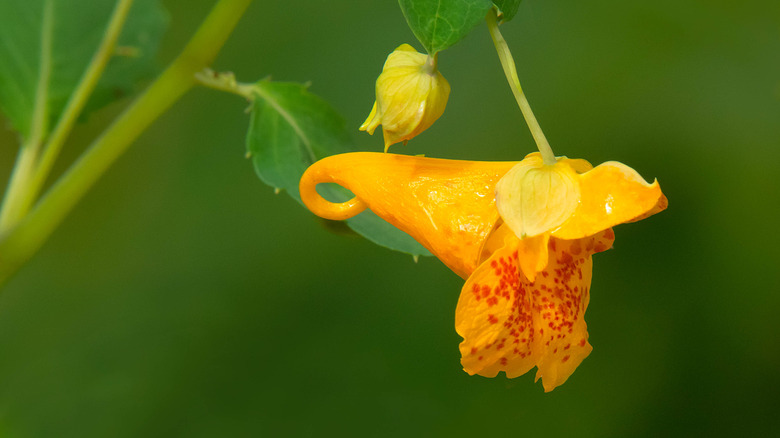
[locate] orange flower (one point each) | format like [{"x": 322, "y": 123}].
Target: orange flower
[
  {"x": 446, "y": 205},
  {"x": 510, "y": 323},
  {"x": 524, "y": 300}
]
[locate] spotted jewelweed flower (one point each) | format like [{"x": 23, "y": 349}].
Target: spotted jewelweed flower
[
  {"x": 411, "y": 94},
  {"x": 521, "y": 233}
]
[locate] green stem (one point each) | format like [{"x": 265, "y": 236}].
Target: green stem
[
  {"x": 20, "y": 243},
  {"x": 15, "y": 200},
  {"x": 21, "y": 176},
  {"x": 225, "y": 82},
  {"x": 508, "y": 63},
  {"x": 431, "y": 64},
  {"x": 77, "y": 100}
]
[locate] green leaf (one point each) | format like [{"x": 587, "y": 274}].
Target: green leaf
[
  {"x": 438, "y": 24},
  {"x": 72, "y": 35},
  {"x": 289, "y": 130},
  {"x": 508, "y": 8}
]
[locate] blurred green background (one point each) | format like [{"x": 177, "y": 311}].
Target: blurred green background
[{"x": 183, "y": 298}]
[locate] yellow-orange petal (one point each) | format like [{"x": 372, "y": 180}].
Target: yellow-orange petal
[
  {"x": 335, "y": 211},
  {"x": 578, "y": 164},
  {"x": 533, "y": 255},
  {"x": 610, "y": 194},
  {"x": 561, "y": 296},
  {"x": 446, "y": 205},
  {"x": 494, "y": 317},
  {"x": 511, "y": 324}
]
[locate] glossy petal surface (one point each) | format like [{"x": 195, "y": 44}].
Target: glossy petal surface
[
  {"x": 611, "y": 194},
  {"x": 524, "y": 300},
  {"x": 512, "y": 324},
  {"x": 446, "y": 205}
]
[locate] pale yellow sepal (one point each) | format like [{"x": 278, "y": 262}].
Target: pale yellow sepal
[
  {"x": 534, "y": 198},
  {"x": 371, "y": 122},
  {"x": 411, "y": 94}
]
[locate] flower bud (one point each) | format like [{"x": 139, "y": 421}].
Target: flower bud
[{"x": 410, "y": 95}]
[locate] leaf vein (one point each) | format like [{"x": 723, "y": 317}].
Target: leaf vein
[
  {"x": 40, "y": 110},
  {"x": 290, "y": 120}
]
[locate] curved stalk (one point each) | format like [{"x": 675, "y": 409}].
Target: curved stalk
[
  {"x": 21, "y": 242},
  {"x": 225, "y": 82},
  {"x": 78, "y": 99},
  {"x": 508, "y": 63},
  {"x": 15, "y": 202}
]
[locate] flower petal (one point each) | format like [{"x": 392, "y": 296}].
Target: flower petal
[
  {"x": 446, "y": 205},
  {"x": 611, "y": 194},
  {"x": 511, "y": 324},
  {"x": 560, "y": 296},
  {"x": 533, "y": 253},
  {"x": 494, "y": 317},
  {"x": 578, "y": 164}
]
